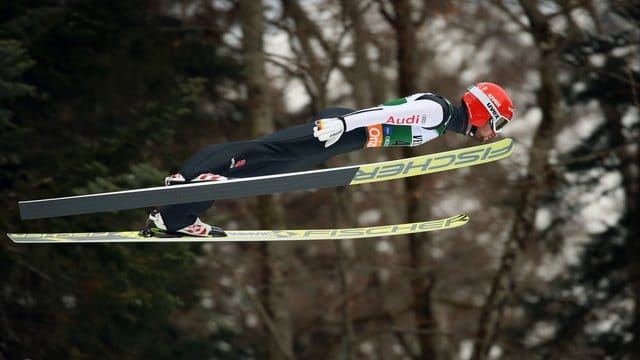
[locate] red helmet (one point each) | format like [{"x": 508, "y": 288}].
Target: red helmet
[{"x": 487, "y": 101}]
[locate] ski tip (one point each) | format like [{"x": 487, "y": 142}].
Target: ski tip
[{"x": 457, "y": 220}]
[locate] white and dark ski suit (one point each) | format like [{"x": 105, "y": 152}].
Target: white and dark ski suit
[{"x": 408, "y": 121}]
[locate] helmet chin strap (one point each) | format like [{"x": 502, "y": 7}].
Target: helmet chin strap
[{"x": 472, "y": 131}]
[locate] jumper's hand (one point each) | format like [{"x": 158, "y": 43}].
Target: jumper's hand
[{"x": 329, "y": 130}]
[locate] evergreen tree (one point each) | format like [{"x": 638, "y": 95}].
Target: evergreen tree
[{"x": 99, "y": 96}]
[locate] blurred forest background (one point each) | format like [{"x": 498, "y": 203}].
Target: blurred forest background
[{"x": 107, "y": 95}]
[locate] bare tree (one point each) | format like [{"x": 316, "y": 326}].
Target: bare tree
[
  {"x": 316, "y": 57},
  {"x": 269, "y": 214},
  {"x": 405, "y": 19},
  {"x": 539, "y": 175}
]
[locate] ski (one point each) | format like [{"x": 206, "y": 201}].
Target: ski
[
  {"x": 249, "y": 235},
  {"x": 260, "y": 185}
]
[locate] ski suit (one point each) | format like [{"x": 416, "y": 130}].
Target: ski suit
[{"x": 408, "y": 121}]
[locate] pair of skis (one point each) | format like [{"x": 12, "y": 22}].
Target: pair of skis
[{"x": 260, "y": 185}]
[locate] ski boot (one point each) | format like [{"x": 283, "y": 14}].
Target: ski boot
[
  {"x": 155, "y": 227},
  {"x": 178, "y": 179},
  {"x": 155, "y": 224}
]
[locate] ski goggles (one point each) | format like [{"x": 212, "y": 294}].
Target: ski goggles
[{"x": 497, "y": 120}]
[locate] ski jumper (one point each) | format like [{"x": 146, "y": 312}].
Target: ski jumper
[{"x": 408, "y": 121}]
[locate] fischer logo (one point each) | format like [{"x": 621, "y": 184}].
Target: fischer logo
[
  {"x": 375, "y": 136},
  {"x": 430, "y": 164},
  {"x": 370, "y": 231},
  {"x": 413, "y": 119}
]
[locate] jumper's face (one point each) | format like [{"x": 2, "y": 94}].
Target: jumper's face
[{"x": 485, "y": 133}]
